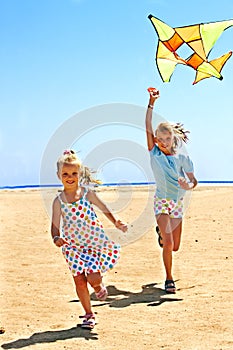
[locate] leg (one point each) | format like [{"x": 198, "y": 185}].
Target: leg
[
  {"x": 176, "y": 225},
  {"x": 95, "y": 280},
  {"x": 160, "y": 239},
  {"x": 82, "y": 292},
  {"x": 164, "y": 223},
  {"x": 84, "y": 297}
]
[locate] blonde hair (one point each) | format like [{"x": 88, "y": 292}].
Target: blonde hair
[
  {"x": 176, "y": 130},
  {"x": 70, "y": 157}
]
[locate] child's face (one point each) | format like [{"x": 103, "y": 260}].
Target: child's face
[
  {"x": 165, "y": 141},
  {"x": 69, "y": 175}
]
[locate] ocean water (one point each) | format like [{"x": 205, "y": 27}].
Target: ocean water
[{"x": 200, "y": 183}]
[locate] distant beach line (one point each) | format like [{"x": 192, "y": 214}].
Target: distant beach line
[{"x": 113, "y": 184}]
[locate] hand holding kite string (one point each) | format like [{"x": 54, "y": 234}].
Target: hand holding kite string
[
  {"x": 200, "y": 38},
  {"x": 154, "y": 95},
  {"x": 153, "y": 92}
]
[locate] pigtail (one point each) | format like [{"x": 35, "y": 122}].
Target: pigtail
[{"x": 86, "y": 176}]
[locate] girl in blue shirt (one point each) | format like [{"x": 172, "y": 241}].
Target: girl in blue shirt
[{"x": 174, "y": 175}]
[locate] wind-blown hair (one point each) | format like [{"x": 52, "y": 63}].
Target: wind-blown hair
[
  {"x": 85, "y": 173},
  {"x": 176, "y": 130}
]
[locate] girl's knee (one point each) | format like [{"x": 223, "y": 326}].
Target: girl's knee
[
  {"x": 80, "y": 281},
  {"x": 176, "y": 248},
  {"x": 176, "y": 245},
  {"x": 95, "y": 279},
  {"x": 168, "y": 242},
  {"x": 168, "y": 245}
]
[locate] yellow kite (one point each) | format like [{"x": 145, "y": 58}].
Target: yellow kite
[{"x": 200, "y": 38}]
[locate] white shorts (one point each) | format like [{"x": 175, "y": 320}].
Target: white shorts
[{"x": 173, "y": 208}]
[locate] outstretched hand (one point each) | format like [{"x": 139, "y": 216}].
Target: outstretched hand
[
  {"x": 121, "y": 226},
  {"x": 154, "y": 94}
]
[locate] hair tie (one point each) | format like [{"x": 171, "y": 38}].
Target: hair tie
[{"x": 68, "y": 151}]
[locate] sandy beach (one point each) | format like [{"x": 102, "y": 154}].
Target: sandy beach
[{"x": 39, "y": 306}]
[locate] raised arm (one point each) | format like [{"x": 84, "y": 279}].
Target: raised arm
[{"x": 154, "y": 95}]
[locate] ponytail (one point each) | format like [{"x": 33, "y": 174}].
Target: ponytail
[
  {"x": 86, "y": 176},
  {"x": 180, "y": 132}
]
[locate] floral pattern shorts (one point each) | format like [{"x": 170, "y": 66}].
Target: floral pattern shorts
[{"x": 173, "y": 208}]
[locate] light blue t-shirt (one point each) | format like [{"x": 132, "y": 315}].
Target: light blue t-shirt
[{"x": 167, "y": 170}]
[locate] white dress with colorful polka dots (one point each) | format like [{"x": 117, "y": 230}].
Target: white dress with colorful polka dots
[{"x": 89, "y": 249}]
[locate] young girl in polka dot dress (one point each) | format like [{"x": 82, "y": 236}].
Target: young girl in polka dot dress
[
  {"x": 86, "y": 248},
  {"x": 174, "y": 176}
]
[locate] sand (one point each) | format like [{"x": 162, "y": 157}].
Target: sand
[{"x": 39, "y": 306}]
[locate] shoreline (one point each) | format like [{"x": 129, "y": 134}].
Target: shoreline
[{"x": 113, "y": 186}]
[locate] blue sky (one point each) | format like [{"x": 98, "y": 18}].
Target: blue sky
[{"x": 61, "y": 57}]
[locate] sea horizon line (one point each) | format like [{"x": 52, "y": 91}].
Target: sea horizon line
[{"x": 109, "y": 184}]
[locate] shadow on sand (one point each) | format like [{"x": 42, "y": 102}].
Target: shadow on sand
[
  {"x": 150, "y": 294},
  {"x": 51, "y": 336}
]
